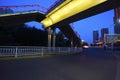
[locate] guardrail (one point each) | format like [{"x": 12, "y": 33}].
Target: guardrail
[
  {"x": 33, "y": 50},
  {"x": 19, "y": 13}
]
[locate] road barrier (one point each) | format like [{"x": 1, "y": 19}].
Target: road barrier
[{"x": 34, "y": 50}]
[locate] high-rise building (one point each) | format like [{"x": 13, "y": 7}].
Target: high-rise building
[
  {"x": 117, "y": 20},
  {"x": 103, "y": 31},
  {"x": 95, "y": 36}
]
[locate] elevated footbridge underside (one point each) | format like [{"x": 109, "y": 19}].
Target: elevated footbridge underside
[
  {"x": 105, "y": 6},
  {"x": 20, "y": 18},
  {"x": 9, "y": 20},
  {"x": 70, "y": 34}
]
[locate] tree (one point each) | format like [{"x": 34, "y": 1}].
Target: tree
[
  {"x": 61, "y": 41},
  {"x": 23, "y": 35}
]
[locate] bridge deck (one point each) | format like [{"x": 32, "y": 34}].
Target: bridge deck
[{"x": 20, "y": 18}]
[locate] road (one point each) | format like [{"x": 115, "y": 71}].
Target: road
[{"x": 91, "y": 64}]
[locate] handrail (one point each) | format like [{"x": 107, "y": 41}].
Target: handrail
[
  {"x": 23, "y": 12},
  {"x": 35, "y": 50}
]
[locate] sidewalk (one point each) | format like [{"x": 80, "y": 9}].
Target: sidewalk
[{"x": 116, "y": 54}]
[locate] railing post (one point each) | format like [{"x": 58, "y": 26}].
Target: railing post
[
  {"x": 42, "y": 51},
  {"x": 75, "y": 49},
  {"x": 49, "y": 37},
  {"x": 59, "y": 50},
  {"x": 69, "y": 49},
  {"x": 54, "y": 38},
  {"x": 16, "y": 52}
]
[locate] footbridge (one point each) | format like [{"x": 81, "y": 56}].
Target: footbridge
[
  {"x": 73, "y": 10},
  {"x": 20, "y": 18},
  {"x": 63, "y": 14},
  {"x": 17, "y": 18}
]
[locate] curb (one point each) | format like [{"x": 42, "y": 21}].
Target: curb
[{"x": 31, "y": 56}]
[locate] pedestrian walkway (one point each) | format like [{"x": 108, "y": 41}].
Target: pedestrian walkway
[{"x": 116, "y": 54}]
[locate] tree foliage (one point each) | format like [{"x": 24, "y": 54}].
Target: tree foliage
[
  {"x": 22, "y": 35},
  {"x": 61, "y": 40}
]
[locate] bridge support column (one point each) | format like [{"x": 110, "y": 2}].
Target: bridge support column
[
  {"x": 54, "y": 38},
  {"x": 71, "y": 42},
  {"x": 49, "y": 37}
]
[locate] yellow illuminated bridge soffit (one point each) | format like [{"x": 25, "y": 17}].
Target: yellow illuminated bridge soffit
[{"x": 68, "y": 8}]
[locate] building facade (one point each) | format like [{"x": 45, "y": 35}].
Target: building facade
[
  {"x": 117, "y": 20},
  {"x": 95, "y": 36},
  {"x": 103, "y": 31}
]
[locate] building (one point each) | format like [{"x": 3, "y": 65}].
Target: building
[
  {"x": 117, "y": 20},
  {"x": 95, "y": 36},
  {"x": 103, "y": 31}
]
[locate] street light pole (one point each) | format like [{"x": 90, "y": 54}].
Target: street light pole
[{"x": 111, "y": 28}]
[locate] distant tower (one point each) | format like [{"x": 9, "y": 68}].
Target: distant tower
[
  {"x": 116, "y": 20},
  {"x": 95, "y": 36},
  {"x": 103, "y": 31}
]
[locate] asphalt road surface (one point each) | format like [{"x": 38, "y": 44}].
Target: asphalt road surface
[{"x": 91, "y": 64}]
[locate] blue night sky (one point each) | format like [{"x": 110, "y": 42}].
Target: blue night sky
[{"x": 83, "y": 27}]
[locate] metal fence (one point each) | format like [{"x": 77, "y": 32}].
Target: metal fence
[{"x": 33, "y": 50}]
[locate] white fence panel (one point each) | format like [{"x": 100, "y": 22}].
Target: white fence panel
[{"x": 33, "y": 50}]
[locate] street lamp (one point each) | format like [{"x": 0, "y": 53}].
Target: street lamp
[{"x": 119, "y": 20}]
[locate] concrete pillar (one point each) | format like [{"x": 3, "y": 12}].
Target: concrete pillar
[
  {"x": 54, "y": 38},
  {"x": 117, "y": 77},
  {"x": 71, "y": 42},
  {"x": 104, "y": 42},
  {"x": 49, "y": 37}
]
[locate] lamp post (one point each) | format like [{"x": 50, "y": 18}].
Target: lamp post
[
  {"x": 112, "y": 25},
  {"x": 113, "y": 38}
]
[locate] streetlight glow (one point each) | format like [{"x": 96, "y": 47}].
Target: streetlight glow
[{"x": 119, "y": 20}]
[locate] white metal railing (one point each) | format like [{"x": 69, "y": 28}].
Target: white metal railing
[
  {"x": 19, "y": 13},
  {"x": 33, "y": 50}
]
